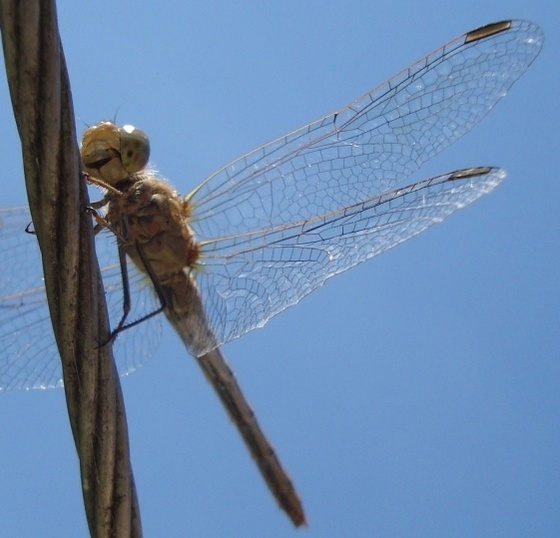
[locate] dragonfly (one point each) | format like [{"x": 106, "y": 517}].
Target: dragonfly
[{"x": 270, "y": 227}]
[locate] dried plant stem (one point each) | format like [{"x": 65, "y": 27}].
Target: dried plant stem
[{"x": 42, "y": 105}]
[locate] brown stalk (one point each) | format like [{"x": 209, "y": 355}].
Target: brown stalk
[{"x": 42, "y": 104}]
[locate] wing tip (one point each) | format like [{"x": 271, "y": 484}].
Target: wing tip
[
  {"x": 487, "y": 31},
  {"x": 471, "y": 172}
]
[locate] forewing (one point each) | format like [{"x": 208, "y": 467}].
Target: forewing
[{"x": 373, "y": 144}]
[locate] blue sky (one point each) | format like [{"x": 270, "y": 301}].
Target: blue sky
[{"x": 416, "y": 395}]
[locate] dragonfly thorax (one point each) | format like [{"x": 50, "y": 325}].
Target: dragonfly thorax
[{"x": 151, "y": 216}]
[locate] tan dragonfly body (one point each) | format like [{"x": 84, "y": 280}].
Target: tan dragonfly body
[{"x": 150, "y": 220}]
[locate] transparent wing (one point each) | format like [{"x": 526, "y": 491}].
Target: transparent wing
[
  {"x": 252, "y": 217},
  {"x": 248, "y": 278},
  {"x": 373, "y": 144},
  {"x": 28, "y": 354}
]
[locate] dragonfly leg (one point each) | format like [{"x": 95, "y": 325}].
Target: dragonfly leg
[
  {"x": 161, "y": 293},
  {"x": 101, "y": 222},
  {"x": 102, "y": 185}
]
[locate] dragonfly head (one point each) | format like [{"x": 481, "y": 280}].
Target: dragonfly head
[{"x": 112, "y": 153}]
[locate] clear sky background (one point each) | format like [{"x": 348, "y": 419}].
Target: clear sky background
[{"x": 416, "y": 395}]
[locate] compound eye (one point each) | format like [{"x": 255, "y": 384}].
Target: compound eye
[{"x": 135, "y": 148}]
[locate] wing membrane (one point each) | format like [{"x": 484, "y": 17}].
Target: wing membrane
[
  {"x": 249, "y": 278},
  {"x": 277, "y": 222},
  {"x": 28, "y": 355},
  {"x": 373, "y": 144}
]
